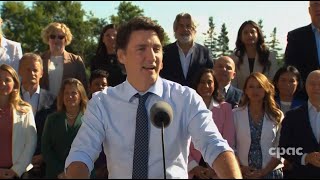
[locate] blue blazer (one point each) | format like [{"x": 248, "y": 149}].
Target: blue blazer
[
  {"x": 296, "y": 132},
  {"x": 295, "y": 102},
  {"x": 233, "y": 96},
  {"x": 172, "y": 69}
]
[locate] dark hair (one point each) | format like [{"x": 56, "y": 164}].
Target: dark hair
[
  {"x": 292, "y": 70},
  {"x": 102, "y": 49},
  {"x": 98, "y": 73},
  {"x": 217, "y": 96},
  {"x": 135, "y": 24},
  {"x": 262, "y": 49}
]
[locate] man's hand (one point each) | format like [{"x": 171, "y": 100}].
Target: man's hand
[{"x": 313, "y": 158}]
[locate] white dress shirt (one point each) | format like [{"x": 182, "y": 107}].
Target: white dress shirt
[
  {"x": 111, "y": 117},
  {"x": 185, "y": 59},
  {"x": 55, "y": 71},
  {"x": 33, "y": 100}
]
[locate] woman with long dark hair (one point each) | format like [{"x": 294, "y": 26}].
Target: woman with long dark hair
[
  {"x": 252, "y": 55},
  {"x": 106, "y": 56}
]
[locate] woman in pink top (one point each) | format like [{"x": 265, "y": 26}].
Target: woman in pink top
[{"x": 207, "y": 87}]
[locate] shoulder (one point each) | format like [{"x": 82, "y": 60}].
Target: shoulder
[
  {"x": 225, "y": 105},
  {"x": 72, "y": 56},
  {"x": 170, "y": 46},
  {"x": 12, "y": 43},
  {"x": 235, "y": 91},
  {"x": 239, "y": 110},
  {"x": 200, "y": 46},
  {"x": 300, "y": 30},
  {"x": 176, "y": 90}
]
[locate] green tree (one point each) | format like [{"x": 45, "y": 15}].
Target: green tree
[
  {"x": 211, "y": 41},
  {"x": 273, "y": 45},
  {"x": 223, "y": 42},
  {"x": 25, "y": 25},
  {"x": 260, "y": 24},
  {"x": 127, "y": 11}
]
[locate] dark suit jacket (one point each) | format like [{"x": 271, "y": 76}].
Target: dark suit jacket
[
  {"x": 45, "y": 107},
  {"x": 301, "y": 50},
  {"x": 233, "y": 96},
  {"x": 172, "y": 69},
  {"x": 297, "y": 132}
]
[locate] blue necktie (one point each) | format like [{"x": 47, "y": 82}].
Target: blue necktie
[{"x": 141, "y": 142}]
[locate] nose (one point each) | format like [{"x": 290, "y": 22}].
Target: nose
[{"x": 151, "y": 55}]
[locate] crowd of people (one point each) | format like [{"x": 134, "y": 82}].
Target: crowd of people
[{"x": 237, "y": 116}]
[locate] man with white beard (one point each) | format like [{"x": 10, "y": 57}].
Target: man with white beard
[{"x": 183, "y": 58}]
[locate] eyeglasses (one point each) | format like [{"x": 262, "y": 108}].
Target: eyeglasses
[{"x": 52, "y": 36}]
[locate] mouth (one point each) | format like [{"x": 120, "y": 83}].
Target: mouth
[{"x": 149, "y": 67}]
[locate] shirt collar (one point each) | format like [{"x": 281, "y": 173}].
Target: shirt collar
[
  {"x": 213, "y": 104},
  {"x": 311, "y": 107},
  {"x": 130, "y": 91},
  {"x": 190, "y": 50},
  {"x": 226, "y": 88},
  {"x": 24, "y": 91},
  {"x": 314, "y": 29}
]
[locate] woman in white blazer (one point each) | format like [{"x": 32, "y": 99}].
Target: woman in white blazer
[
  {"x": 257, "y": 125},
  {"x": 18, "y": 135},
  {"x": 252, "y": 55},
  {"x": 10, "y": 51}
]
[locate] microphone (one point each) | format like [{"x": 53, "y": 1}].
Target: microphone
[
  {"x": 161, "y": 117},
  {"x": 161, "y": 114}
]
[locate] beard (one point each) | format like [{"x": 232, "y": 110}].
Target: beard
[{"x": 184, "y": 39}]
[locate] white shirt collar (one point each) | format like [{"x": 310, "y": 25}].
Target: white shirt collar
[{"x": 25, "y": 91}]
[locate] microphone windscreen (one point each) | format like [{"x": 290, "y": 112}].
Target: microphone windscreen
[{"x": 161, "y": 114}]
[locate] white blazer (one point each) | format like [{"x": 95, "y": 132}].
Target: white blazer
[
  {"x": 10, "y": 53},
  {"x": 269, "y": 136},
  {"x": 24, "y": 141},
  {"x": 244, "y": 71}
]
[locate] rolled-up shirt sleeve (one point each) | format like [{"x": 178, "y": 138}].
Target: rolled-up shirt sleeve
[{"x": 87, "y": 144}]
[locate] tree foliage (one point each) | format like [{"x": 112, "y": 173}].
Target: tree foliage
[
  {"x": 223, "y": 42},
  {"x": 24, "y": 24},
  {"x": 127, "y": 11},
  {"x": 211, "y": 41},
  {"x": 274, "y": 44}
]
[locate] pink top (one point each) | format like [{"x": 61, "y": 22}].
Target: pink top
[{"x": 223, "y": 118}]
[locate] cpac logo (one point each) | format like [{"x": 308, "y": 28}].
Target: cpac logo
[{"x": 275, "y": 151}]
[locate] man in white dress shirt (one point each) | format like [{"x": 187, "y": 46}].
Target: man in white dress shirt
[{"x": 110, "y": 117}]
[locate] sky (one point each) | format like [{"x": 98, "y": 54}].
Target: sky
[{"x": 284, "y": 15}]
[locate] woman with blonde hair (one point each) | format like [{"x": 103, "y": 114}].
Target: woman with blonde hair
[
  {"x": 59, "y": 64},
  {"x": 257, "y": 124},
  {"x": 62, "y": 126},
  {"x": 18, "y": 134}
]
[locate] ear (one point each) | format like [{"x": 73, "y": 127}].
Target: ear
[
  {"x": 234, "y": 75},
  {"x": 121, "y": 56}
]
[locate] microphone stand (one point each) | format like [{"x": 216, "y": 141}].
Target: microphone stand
[{"x": 163, "y": 154}]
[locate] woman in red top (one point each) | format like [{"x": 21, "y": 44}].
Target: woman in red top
[{"x": 18, "y": 135}]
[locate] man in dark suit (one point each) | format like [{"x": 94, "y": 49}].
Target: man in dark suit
[
  {"x": 301, "y": 132},
  {"x": 302, "y": 49},
  {"x": 224, "y": 69},
  {"x": 30, "y": 71},
  {"x": 183, "y": 58}
]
